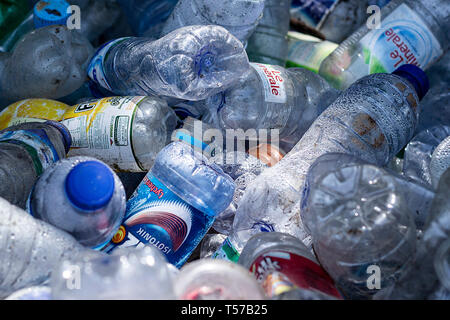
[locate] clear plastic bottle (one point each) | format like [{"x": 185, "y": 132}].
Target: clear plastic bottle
[
  {"x": 82, "y": 196},
  {"x": 49, "y": 62},
  {"x": 190, "y": 63},
  {"x": 216, "y": 280},
  {"x": 411, "y": 32},
  {"x": 281, "y": 263},
  {"x": 268, "y": 44},
  {"x": 27, "y": 150},
  {"x": 440, "y": 161},
  {"x": 176, "y": 204},
  {"x": 127, "y": 274},
  {"x": 124, "y": 132},
  {"x": 30, "y": 248},
  {"x": 360, "y": 225},
  {"x": 210, "y": 243},
  {"x": 373, "y": 120},
  {"x": 272, "y": 98},
  {"x": 239, "y": 17},
  {"x": 147, "y": 17}
]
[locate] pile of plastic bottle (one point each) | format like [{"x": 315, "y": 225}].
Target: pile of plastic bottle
[{"x": 224, "y": 150}]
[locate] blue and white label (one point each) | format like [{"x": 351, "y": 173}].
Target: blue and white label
[{"x": 157, "y": 216}]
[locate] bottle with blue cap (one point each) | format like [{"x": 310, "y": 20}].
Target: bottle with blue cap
[
  {"x": 175, "y": 204},
  {"x": 373, "y": 120},
  {"x": 46, "y": 13},
  {"x": 82, "y": 196},
  {"x": 26, "y": 151}
]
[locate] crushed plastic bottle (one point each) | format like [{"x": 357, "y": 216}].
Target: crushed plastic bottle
[
  {"x": 124, "y": 132},
  {"x": 27, "y": 150},
  {"x": 190, "y": 63},
  {"x": 216, "y": 280},
  {"x": 239, "y": 17},
  {"x": 268, "y": 44},
  {"x": 411, "y": 32},
  {"x": 363, "y": 122},
  {"x": 82, "y": 196},
  {"x": 126, "y": 274}
]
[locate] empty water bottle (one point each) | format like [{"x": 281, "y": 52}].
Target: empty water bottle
[
  {"x": 268, "y": 44},
  {"x": 176, "y": 204},
  {"x": 125, "y": 132},
  {"x": 282, "y": 263},
  {"x": 373, "y": 120},
  {"x": 27, "y": 150},
  {"x": 49, "y": 62},
  {"x": 190, "y": 63},
  {"x": 216, "y": 280},
  {"x": 240, "y": 17},
  {"x": 125, "y": 274},
  {"x": 363, "y": 232},
  {"x": 411, "y": 32},
  {"x": 30, "y": 249},
  {"x": 440, "y": 161},
  {"x": 82, "y": 196}
]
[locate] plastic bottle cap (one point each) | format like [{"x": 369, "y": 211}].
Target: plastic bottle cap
[
  {"x": 67, "y": 137},
  {"x": 416, "y": 76},
  {"x": 90, "y": 185},
  {"x": 50, "y": 12}
]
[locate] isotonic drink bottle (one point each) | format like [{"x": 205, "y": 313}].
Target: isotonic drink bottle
[
  {"x": 30, "y": 249},
  {"x": 216, "y": 280},
  {"x": 281, "y": 263},
  {"x": 82, "y": 196},
  {"x": 240, "y": 17},
  {"x": 123, "y": 275},
  {"x": 49, "y": 62},
  {"x": 27, "y": 150},
  {"x": 411, "y": 32},
  {"x": 176, "y": 204},
  {"x": 124, "y": 132},
  {"x": 268, "y": 44},
  {"x": 373, "y": 120},
  {"x": 189, "y": 63},
  {"x": 360, "y": 226}
]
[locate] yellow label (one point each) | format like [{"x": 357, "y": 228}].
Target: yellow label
[{"x": 31, "y": 110}]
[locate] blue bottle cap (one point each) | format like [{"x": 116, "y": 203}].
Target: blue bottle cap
[
  {"x": 416, "y": 76},
  {"x": 90, "y": 185},
  {"x": 50, "y": 12},
  {"x": 67, "y": 137}
]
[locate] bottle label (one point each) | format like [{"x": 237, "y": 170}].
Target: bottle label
[
  {"x": 95, "y": 70},
  {"x": 226, "y": 252},
  {"x": 36, "y": 143},
  {"x": 32, "y": 110},
  {"x": 312, "y": 12},
  {"x": 300, "y": 271},
  {"x": 308, "y": 55},
  {"x": 103, "y": 129},
  {"x": 273, "y": 82},
  {"x": 157, "y": 216},
  {"x": 403, "y": 38}
]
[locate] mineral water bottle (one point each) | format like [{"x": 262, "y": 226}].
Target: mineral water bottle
[
  {"x": 268, "y": 44},
  {"x": 27, "y": 150},
  {"x": 287, "y": 100},
  {"x": 239, "y": 17},
  {"x": 190, "y": 63},
  {"x": 362, "y": 229},
  {"x": 411, "y": 32},
  {"x": 60, "y": 69},
  {"x": 126, "y": 274},
  {"x": 216, "y": 280},
  {"x": 82, "y": 196},
  {"x": 30, "y": 249},
  {"x": 176, "y": 204},
  {"x": 281, "y": 263},
  {"x": 373, "y": 120},
  {"x": 440, "y": 161},
  {"x": 418, "y": 153},
  {"x": 124, "y": 132},
  {"x": 147, "y": 17}
]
